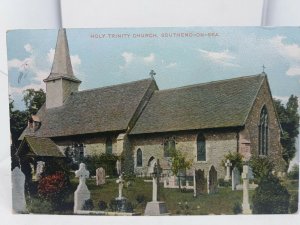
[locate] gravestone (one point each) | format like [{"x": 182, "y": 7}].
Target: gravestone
[
  {"x": 245, "y": 177},
  {"x": 82, "y": 193},
  {"x": 18, "y": 192},
  {"x": 228, "y": 165},
  {"x": 118, "y": 167},
  {"x": 201, "y": 187},
  {"x": 212, "y": 181},
  {"x": 120, "y": 183},
  {"x": 39, "y": 169},
  {"x": 156, "y": 207},
  {"x": 100, "y": 176},
  {"x": 236, "y": 178}
]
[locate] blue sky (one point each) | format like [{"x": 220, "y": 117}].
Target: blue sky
[{"x": 177, "y": 61}]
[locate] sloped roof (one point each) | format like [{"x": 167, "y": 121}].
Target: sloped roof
[
  {"x": 219, "y": 104},
  {"x": 41, "y": 146},
  {"x": 97, "y": 110}
]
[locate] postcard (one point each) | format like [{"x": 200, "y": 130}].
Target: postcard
[{"x": 155, "y": 121}]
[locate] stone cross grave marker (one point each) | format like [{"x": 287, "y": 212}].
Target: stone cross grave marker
[
  {"x": 228, "y": 164},
  {"x": 39, "y": 169},
  {"x": 18, "y": 192},
  {"x": 236, "y": 178},
  {"x": 82, "y": 193},
  {"x": 155, "y": 181},
  {"x": 121, "y": 182},
  {"x": 100, "y": 176},
  {"x": 245, "y": 177},
  {"x": 118, "y": 167}
]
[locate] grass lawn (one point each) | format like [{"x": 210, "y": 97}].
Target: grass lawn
[{"x": 218, "y": 203}]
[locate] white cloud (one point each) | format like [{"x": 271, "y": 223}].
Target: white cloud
[
  {"x": 150, "y": 58},
  {"x": 50, "y": 55},
  {"x": 293, "y": 71},
  {"x": 128, "y": 57},
  {"x": 283, "y": 99},
  {"x": 224, "y": 57},
  {"x": 28, "y": 48},
  {"x": 291, "y": 51},
  {"x": 171, "y": 65}
]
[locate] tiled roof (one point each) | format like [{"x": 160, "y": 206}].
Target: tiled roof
[
  {"x": 97, "y": 110},
  {"x": 41, "y": 146},
  {"x": 219, "y": 104}
]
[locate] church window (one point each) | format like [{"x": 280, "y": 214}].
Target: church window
[
  {"x": 139, "y": 157},
  {"x": 263, "y": 132},
  {"x": 108, "y": 149},
  {"x": 169, "y": 146},
  {"x": 201, "y": 148}
]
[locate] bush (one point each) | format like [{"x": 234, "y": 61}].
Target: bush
[
  {"x": 223, "y": 183},
  {"x": 261, "y": 167},
  {"x": 107, "y": 161},
  {"x": 236, "y": 160},
  {"x": 122, "y": 205},
  {"x": 237, "y": 208},
  {"x": 88, "y": 205},
  {"x": 102, "y": 205},
  {"x": 294, "y": 173},
  {"x": 40, "y": 206},
  {"x": 54, "y": 188},
  {"x": 140, "y": 198},
  {"x": 294, "y": 203},
  {"x": 270, "y": 197}
]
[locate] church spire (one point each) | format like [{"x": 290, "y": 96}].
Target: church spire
[{"x": 62, "y": 67}]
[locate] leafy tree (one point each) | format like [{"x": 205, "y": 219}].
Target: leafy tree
[
  {"x": 294, "y": 173},
  {"x": 261, "y": 167},
  {"x": 289, "y": 121},
  {"x": 34, "y": 99},
  {"x": 236, "y": 160},
  {"x": 179, "y": 163}
]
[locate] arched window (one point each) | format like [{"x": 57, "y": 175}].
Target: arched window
[
  {"x": 139, "y": 157},
  {"x": 108, "y": 147},
  {"x": 201, "y": 149},
  {"x": 263, "y": 132},
  {"x": 169, "y": 146}
]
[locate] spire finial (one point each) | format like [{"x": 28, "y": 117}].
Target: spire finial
[
  {"x": 263, "y": 66},
  {"x": 152, "y": 74}
]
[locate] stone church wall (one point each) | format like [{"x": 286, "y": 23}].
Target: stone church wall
[
  {"x": 274, "y": 146},
  {"x": 218, "y": 144}
]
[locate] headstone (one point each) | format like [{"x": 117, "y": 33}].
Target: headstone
[
  {"x": 212, "y": 181},
  {"x": 118, "y": 167},
  {"x": 194, "y": 183},
  {"x": 156, "y": 207},
  {"x": 121, "y": 182},
  {"x": 235, "y": 178},
  {"x": 82, "y": 193},
  {"x": 100, "y": 176},
  {"x": 245, "y": 177},
  {"x": 201, "y": 186},
  {"x": 228, "y": 165},
  {"x": 39, "y": 169},
  {"x": 18, "y": 193}
]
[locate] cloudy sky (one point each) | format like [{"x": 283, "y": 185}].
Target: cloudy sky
[{"x": 179, "y": 56}]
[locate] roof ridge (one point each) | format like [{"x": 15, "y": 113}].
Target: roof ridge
[
  {"x": 211, "y": 82},
  {"x": 113, "y": 85}
]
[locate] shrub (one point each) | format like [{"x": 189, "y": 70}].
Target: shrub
[
  {"x": 261, "y": 167},
  {"x": 223, "y": 183},
  {"x": 237, "y": 208},
  {"x": 40, "y": 206},
  {"x": 270, "y": 197},
  {"x": 88, "y": 205},
  {"x": 294, "y": 173},
  {"x": 102, "y": 205},
  {"x": 236, "y": 160},
  {"x": 107, "y": 161},
  {"x": 294, "y": 203},
  {"x": 54, "y": 187},
  {"x": 140, "y": 198},
  {"x": 122, "y": 205}
]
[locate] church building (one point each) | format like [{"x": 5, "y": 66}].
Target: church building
[{"x": 204, "y": 121}]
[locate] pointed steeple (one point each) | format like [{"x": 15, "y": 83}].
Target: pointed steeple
[
  {"x": 61, "y": 82},
  {"x": 62, "y": 67}
]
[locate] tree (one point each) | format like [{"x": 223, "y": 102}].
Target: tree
[
  {"x": 34, "y": 99},
  {"x": 179, "y": 163},
  {"x": 289, "y": 121},
  {"x": 236, "y": 160},
  {"x": 261, "y": 167}
]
